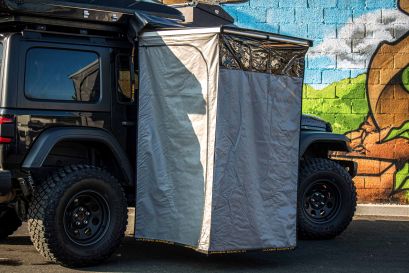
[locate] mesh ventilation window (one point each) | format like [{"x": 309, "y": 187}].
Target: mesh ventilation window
[{"x": 267, "y": 56}]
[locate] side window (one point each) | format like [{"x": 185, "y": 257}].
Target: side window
[
  {"x": 124, "y": 79},
  {"x": 62, "y": 75}
]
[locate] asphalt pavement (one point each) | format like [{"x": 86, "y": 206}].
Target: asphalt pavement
[{"x": 369, "y": 245}]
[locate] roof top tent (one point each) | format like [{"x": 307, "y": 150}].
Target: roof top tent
[
  {"x": 218, "y": 144},
  {"x": 204, "y": 15},
  {"x": 89, "y": 16},
  {"x": 89, "y": 10}
]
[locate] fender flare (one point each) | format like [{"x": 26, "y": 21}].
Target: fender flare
[
  {"x": 46, "y": 141},
  {"x": 336, "y": 142}
]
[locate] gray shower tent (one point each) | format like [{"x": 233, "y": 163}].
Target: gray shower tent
[{"x": 218, "y": 138}]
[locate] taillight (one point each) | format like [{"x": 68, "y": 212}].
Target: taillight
[
  {"x": 6, "y": 129},
  {"x": 5, "y": 120},
  {"x": 5, "y": 139}
]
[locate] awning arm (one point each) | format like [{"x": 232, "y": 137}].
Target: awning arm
[{"x": 266, "y": 36}]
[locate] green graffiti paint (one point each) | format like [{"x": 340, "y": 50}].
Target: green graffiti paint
[
  {"x": 402, "y": 178},
  {"x": 405, "y": 78},
  {"x": 342, "y": 103},
  {"x": 401, "y": 132}
]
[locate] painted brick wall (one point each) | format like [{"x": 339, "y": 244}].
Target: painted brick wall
[{"x": 357, "y": 78}]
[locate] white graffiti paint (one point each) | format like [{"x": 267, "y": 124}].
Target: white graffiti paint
[{"x": 358, "y": 39}]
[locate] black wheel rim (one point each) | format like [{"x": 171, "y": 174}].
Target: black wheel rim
[
  {"x": 86, "y": 218},
  {"x": 321, "y": 201}
]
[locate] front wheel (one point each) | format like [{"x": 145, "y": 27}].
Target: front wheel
[
  {"x": 78, "y": 216},
  {"x": 326, "y": 199}
]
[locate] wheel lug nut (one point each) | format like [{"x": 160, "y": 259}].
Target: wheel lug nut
[
  {"x": 76, "y": 231},
  {"x": 81, "y": 209},
  {"x": 85, "y": 222},
  {"x": 75, "y": 215},
  {"x": 78, "y": 223},
  {"x": 87, "y": 213}
]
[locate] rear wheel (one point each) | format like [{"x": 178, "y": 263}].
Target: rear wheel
[
  {"x": 326, "y": 199},
  {"x": 78, "y": 216},
  {"x": 9, "y": 222}
]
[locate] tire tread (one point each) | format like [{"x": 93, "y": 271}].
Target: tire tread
[
  {"x": 44, "y": 203},
  {"x": 306, "y": 230}
]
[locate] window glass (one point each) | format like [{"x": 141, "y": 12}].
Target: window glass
[
  {"x": 63, "y": 75},
  {"x": 124, "y": 78}
]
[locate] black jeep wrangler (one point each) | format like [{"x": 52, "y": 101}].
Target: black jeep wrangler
[{"x": 68, "y": 140}]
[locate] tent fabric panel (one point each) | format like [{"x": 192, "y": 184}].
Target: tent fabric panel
[
  {"x": 178, "y": 78},
  {"x": 256, "y": 171}
]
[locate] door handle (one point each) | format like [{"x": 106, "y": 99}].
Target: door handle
[{"x": 128, "y": 123}]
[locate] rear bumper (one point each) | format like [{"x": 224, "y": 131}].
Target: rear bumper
[{"x": 5, "y": 182}]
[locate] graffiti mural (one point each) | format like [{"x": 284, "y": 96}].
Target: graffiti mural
[
  {"x": 357, "y": 78},
  {"x": 380, "y": 144}
]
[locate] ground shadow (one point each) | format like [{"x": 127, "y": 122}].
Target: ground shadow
[
  {"x": 17, "y": 240},
  {"x": 368, "y": 245}
]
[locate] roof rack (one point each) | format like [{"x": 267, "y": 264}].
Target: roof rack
[{"x": 13, "y": 23}]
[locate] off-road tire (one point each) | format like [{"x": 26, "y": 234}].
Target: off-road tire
[
  {"x": 312, "y": 172},
  {"x": 9, "y": 222},
  {"x": 47, "y": 212}
]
